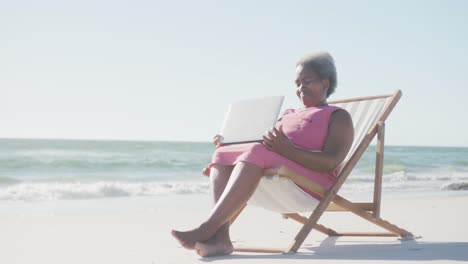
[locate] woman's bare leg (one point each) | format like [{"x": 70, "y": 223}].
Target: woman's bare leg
[
  {"x": 240, "y": 186},
  {"x": 219, "y": 176},
  {"x": 220, "y": 243}
]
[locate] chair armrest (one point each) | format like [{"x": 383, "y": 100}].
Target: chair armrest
[
  {"x": 272, "y": 171},
  {"x": 301, "y": 180}
]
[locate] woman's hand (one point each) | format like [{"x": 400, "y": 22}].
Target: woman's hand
[
  {"x": 217, "y": 140},
  {"x": 275, "y": 140}
]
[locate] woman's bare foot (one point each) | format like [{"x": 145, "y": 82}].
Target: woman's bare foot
[
  {"x": 183, "y": 240},
  {"x": 213, "y": 248},
  {"x": 187, "y": 239}
]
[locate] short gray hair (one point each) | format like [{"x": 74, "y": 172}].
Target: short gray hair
[{"x": 323, "y": 64}]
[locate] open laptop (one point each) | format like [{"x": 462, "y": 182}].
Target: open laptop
[{"x": 247, "y": 120}]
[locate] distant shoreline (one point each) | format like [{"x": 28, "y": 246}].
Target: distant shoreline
[
  {"x": 107, "y": 140},
  {"x": 187, "y": 141}
]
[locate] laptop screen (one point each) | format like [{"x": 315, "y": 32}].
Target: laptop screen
[{"x": 247, "y": 120}]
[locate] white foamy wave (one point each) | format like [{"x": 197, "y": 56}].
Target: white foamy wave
[
  {"x": 71, "y": 191},
  {"x": 8, "y": 180},
  {"x": 423, "y": 176},
  {"x": 456, "y": 186}
]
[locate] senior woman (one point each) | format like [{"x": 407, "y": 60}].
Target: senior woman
[{"x": 312, "y": 140}]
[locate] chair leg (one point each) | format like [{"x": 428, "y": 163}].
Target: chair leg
[
  {"x": 321, "y": 228},
  {"x": 330, "y": 232},
  {"x": 379, "y": 158},
  {"x": 369, "y": 217},
  {"x": 311, "y": 223}
]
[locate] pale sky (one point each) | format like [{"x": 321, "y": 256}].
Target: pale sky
[{"x": 167, "y": 70}]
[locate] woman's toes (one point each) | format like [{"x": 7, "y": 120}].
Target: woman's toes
[{"x": 183, "y": 239}]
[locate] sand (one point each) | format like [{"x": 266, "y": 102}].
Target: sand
[{"x": 137, "y": 230}]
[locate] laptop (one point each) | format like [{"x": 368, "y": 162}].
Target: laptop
[{"x": 247, "y": 120}]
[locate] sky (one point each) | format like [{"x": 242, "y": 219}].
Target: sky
[{"x": 167, "y": 70}]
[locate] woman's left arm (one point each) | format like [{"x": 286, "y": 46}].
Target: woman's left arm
[{"x": 337, "y": 144}]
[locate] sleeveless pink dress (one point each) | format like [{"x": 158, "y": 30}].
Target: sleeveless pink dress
[{"x": 307, "y": 128}]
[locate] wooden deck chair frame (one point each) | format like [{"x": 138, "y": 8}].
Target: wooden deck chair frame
[{"x": 331, "y": 201}]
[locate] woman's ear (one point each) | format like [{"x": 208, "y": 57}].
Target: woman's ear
[{"x": 326, "y": 84}]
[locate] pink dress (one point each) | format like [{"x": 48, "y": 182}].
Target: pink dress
[{"x": 307, "y": 128}]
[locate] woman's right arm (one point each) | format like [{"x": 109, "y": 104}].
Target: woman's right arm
[{"x": 337, "y": 144}]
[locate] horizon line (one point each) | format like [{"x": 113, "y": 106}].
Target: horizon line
[{"x": 187, "y": 141}]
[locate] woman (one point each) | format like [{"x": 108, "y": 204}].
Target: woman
[{"x": 313, "y": 141}]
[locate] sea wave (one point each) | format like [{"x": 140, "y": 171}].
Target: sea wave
[
  {"x": 7, "y": 180},
  {"x": 90, "y": 163},
  {"x": 104, "y": 189},
  {"x": 423, "y": 176},
  {"x": 456, "y": 186}
]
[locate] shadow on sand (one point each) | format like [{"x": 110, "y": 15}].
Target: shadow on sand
[{"x": 329, "y": 249}]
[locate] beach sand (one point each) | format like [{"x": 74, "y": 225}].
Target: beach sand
[{"x": 137, "y": 230}]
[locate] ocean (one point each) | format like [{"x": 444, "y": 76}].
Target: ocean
[{"x": 37, "y": 170}]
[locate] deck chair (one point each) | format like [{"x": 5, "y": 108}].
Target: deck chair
[{"x": 369, "y": 115}]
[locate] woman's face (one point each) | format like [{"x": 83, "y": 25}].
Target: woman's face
[{"x": 309, "y": 88}]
